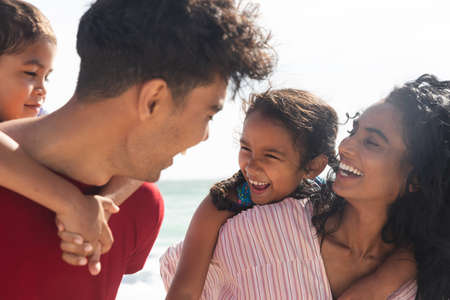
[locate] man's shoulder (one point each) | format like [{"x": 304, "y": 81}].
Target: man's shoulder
[
  {"x": 147, "y": 194},
  {"x": 137, "y": 224},
  {"x": 144, "y": 206}
]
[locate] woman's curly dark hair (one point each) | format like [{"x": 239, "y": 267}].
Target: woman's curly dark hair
[{"x": 420, "y": 217}]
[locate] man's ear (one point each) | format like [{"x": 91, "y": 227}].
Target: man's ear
[
  {"x": 316, "y": 166},
  {"x": 152, "y": 96}
]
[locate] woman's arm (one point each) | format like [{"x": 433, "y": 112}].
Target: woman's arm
[
  {"x": 397, "y": 269},
  {"x": 198, "y": 248}
]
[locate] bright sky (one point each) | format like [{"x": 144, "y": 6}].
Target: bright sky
[{"x": 349, "y": 52}]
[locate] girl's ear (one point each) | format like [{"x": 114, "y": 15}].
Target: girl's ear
[{"x": 316, "y": 166}]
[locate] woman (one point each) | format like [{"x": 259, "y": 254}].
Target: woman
[
  {"x": 391, "y": 191},
  {"x": 392, "y": 188}
]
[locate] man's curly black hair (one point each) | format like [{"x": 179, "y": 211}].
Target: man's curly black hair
[{"x": 185, "y": 42}]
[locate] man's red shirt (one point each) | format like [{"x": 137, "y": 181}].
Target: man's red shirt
[{"x": 31, "y": 264}]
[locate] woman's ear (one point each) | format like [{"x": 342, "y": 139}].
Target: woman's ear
[
  {"x": 316, "y": 166},
  {"x": 152, "y": 95}
]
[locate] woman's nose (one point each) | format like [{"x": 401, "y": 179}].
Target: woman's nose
[{"x": 347, "y": 146}]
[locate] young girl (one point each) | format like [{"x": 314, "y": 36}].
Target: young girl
[
  {"x": 27, "y": 49},
  {"x": 287, "y": 140}
]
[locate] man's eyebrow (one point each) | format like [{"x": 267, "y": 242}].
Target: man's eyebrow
[
  {"x": 379, "y": 133},
  {"x": 34, "y": 62}
]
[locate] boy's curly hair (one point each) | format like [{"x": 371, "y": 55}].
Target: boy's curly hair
[
  {"x": 185, "y": 42},
  {"x": 22, "y": 24}
]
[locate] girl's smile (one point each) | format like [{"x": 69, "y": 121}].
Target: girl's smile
[{"x": 268, "y": 159}]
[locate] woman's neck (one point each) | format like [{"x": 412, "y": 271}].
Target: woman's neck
[{"x": 360, "y": 231}]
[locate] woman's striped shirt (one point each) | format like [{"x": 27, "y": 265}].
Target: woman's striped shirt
[{"x": 268, "y": 252}]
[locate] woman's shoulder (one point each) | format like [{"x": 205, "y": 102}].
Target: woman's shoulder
[{"x": 407, "y": 291}]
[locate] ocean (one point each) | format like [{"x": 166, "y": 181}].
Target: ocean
[{"x": 181, "y": 198}]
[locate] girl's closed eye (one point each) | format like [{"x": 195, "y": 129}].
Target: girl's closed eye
[
  {"x": 245, "y": 148},
  {"x": 32, "y": 74},
  {"x": 271, "y": 156}
]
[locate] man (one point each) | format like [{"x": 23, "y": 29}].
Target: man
[{"x": 152, "y": 75}]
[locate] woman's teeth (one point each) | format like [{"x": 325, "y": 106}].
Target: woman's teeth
[{"x": 350, "y": 169}]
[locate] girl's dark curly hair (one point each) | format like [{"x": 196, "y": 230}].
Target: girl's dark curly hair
[
  {"x": 22, "y": 24},
  {"x": 311, "y": 123},
  {"x": 420, "y": 218}
]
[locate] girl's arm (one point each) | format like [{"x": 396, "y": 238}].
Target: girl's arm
[
  {"x": 20, "y": 173},
  {"x": 198, "y": 248},
  {"x": 397, "y": 269},
  {"x": 79, "y": 213},
  {"x": 119, "y": 188}
]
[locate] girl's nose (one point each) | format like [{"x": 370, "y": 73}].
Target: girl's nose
[
  {"x": 41, "y": 91},
  {"x": 252, "y": 166},
  {"x": 40, "y": 88},
  {"x": 206, "y": 136}
]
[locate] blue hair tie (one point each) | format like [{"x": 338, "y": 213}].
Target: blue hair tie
[{"x": 243, "y": 192}]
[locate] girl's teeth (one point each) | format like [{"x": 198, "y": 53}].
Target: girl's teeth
[{"x": 257, "y": 183}]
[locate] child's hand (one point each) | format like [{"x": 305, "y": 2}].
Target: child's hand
[
  {"x": 98, "y": 239},
  {"x": 88, "y": 219}
]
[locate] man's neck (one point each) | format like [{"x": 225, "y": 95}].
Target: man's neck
[{"x": 73, "y": 141}]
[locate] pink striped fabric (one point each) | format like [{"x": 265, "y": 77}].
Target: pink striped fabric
[{"x": 267, "y": 252}]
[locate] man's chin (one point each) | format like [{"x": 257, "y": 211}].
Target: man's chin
[{"x": 153, "y": 177}]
